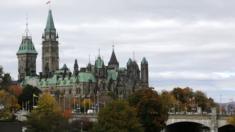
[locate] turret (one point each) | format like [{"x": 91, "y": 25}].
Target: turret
[
  {"x": 50, "y": 49},
  {"x": 113, "y": 63},
  {"x": 99, "y": 67},
  {"x": 75, "y": 67},
  {"x": 27, "y": 56},
  {"x": 144, "y": 72}
]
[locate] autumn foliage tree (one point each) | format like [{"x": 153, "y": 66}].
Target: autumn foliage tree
[
  {"x": 187, "y": 99},
  {"x": 27, "y": 95},
  {"x": 117, "y": 116},
  {"x": 9, "y": 104},
  {"x": 47, "y": 117},
  {"x": 150, "y": 109}
]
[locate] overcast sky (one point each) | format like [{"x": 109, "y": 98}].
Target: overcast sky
[{"x": 186, "y": 42}]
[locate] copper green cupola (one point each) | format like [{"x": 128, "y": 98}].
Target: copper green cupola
[
  {"x": 26, "y": 46},
  {"x": 27, "y": 56}
]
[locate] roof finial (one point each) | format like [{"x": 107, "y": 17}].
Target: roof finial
[
  {"x": 89, "y": 58},
  {"x": 27, "y": 26},
  {"x": 113, "y": 46},
  {"x": 133, "y": 55},
  {"x": 99, "y": 52}
]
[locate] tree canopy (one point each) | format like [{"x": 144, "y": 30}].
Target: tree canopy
[
  {"x": 187, "y": 99},
  {"x": 117, "y": 116},
  {"x": 150, "y": 109},
  {"x": 27, "y": 95},
  {"x": 6, "y": 81},
  {"x": 47, "y": 117}
]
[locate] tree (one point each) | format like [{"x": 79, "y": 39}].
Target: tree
[
  {"x": 47, "y": 117},
  {"x": 187, "y": 99},
  {"x": 6, "y": 81},
  {"x": 8, "y": 104},
  {"x": 168, "y": 100},
  {"x": 231, "y": 120},
  {"x": 27, "y": 95},
  {"x": 83, "y": 124},
  {"x": 117, "y": 116},
  {"x": 150, "y": 109}
]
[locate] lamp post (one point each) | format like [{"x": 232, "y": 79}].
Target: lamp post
[{"x": 81, "y": 126}]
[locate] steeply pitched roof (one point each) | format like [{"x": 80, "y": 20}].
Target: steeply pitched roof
[
  {"x": 129, "y": 61},
  {"x": 113, "y": 59},
  {"x": 144, "y": 61},
  {"x": 99, "y": 63},
  {"x": 50, "y": 23},
  {"x": 27, "y": 46}
]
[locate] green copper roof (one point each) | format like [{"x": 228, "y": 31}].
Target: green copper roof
[
  {"x": 27, "y": 46},
  {"x": 112, "y": 74},
  {"x": 144, "y": 61},
  {"x": 129, "y": 61},
  {"x": 99, "y": 63},
  {"x": 86, "y": 77},
  {"x": 50, "y": 23}
]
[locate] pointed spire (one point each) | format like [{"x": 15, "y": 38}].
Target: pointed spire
[
  {"x": 144, "y": 61},
  {"x": 75, "y": 71},
  {"x": 89, "y": 59},
  {"x": 129, "y": 61},
  {"x": 113, "y": 59},
  {"x": 75, "y": 64},
  {"x": 50, "y": 23},
  {"x": 27, "y": 46},
  {"x": 99, "y": 52}
]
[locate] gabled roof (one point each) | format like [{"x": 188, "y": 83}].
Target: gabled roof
[
  {"x": 27, "y": 46},
  {"x": 113, "y": 59},
  {"x": 50, "y": 23}
]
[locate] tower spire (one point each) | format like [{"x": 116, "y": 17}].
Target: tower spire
[
  {"x": 50, "y": 27},
  {"x": 113, "y": 63},
  {"x": 50, "y": 46},
  {"x": 89, "y": 58},
  {"x": 27, "y": 26},
  {"x": 99, "y": 52}
]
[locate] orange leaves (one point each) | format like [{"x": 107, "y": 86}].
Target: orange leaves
[{"x": 67, "y": 113}]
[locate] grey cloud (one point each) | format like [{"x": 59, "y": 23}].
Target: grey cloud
[{"x": 175, "y": 36}]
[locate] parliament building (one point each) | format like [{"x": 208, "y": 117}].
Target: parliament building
[{"x": 96, "y": 77}]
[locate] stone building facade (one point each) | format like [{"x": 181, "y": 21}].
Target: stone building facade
[
  {"x": 96, "y": 78},
  {"x": 27, "y": 56}
]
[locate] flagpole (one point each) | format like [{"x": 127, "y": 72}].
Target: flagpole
[{"x": 49, "y": 4}]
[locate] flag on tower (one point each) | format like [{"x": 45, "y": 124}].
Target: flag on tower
[{"x": 48, "y": 2}]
